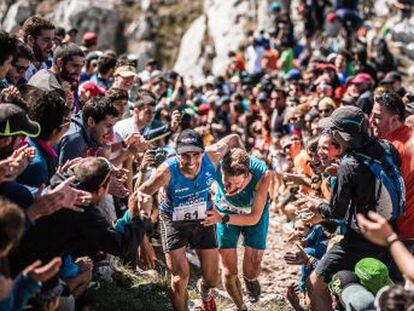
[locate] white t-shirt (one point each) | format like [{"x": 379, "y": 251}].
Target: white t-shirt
[
  {"x": 124, "y": 128},
  {"x": 254, "y": 59}
]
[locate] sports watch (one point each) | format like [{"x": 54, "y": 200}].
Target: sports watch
[{"x": 225, "y": 218}]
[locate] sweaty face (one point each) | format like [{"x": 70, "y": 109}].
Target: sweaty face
[
  {"x": 234, "y": 184},
  {"x": 102, "y": 132},
  {"x": 5, "y": 67},
  {"x": 327, "y": 150},
  {"x": 380, "y": 121},
  {"x": 17, "y": 70},
  {"x": 43, "y": 44},
  {"x": 72, "y": 69},
  {"x": 190, "y": 162}
]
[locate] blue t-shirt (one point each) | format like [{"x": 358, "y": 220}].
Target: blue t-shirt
[
  {"x": 242, "y": 202},
  {"x": 183, "y": 192}
]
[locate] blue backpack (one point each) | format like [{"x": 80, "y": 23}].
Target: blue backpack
[{"x": 389, "y": 185}]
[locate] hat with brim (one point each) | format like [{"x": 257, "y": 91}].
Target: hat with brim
[
  {"x": 391, "y": 77},
  {"x": 14, "y": 122},
  {"x": 348, "y": 124},
  {"x": 189, "y": 141},
  {"x": 125, "y": 72}
]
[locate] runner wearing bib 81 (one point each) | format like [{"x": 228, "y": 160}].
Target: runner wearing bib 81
[
  {"x": 241, "y": 207},
  {"x": 186, "y": 180}
]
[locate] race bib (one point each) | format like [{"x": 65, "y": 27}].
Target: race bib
[{"x": 195, "y": 211}]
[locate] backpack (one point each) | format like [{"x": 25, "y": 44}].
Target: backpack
[{"x": 389, "y": 184}]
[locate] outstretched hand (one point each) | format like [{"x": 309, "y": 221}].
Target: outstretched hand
[{"x": 43, "y": 273}]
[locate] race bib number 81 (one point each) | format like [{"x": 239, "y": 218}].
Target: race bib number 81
[{"x": 196, "y": 211}]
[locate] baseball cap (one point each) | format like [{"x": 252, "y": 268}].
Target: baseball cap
[
  {"x": 125, "y": 71},
  {"x": 362, "y": 78},
  {"x": 342, "y": 280},
  {"x": 189, "y": 141},
  {"x": 14, "y": 121},
  {"x": 350, "y": 124},
  {"x": 90, "y": 38},
  {"x": 92, "y": 88},
  {"x": 391, "y": 77},
  {"x": 373, "y": 274},
  {"x": 292, "y": 74}
]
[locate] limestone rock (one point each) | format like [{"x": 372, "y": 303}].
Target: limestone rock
[
  {"x": 189, "y": 61},
  {"x": 17, "y": 13},
  {"x": 226, "y": 22},
  {"x": 98, "y": 16}
]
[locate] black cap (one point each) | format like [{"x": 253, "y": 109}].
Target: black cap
[
  {"x": 189, "y": 141},
  {"x": 14, "y": 121},
  {"x": 341, "y": 280},
  {"x": 351, "y": 125},
  {"x": 391, "y": 77}
]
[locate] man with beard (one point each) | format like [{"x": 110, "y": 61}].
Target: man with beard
[
  {"x": 38, "y": 33},
  {"x": 186, "y": 181},
  {"x": 63, "y": 76},
  {"x": 22, "y": 57}
]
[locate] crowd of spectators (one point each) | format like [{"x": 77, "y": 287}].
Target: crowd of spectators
[{"x": 327, "y": 110}]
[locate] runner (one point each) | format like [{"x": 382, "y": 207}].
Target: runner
[
  {"x": 186, "y": 179},
  {"x": 242, "y": 207}
]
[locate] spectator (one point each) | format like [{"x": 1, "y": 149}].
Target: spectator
[
  {"x": 20, "y": 64},
  {"x": 105, "y": 71},
  {"x": 38, "y": 33}
]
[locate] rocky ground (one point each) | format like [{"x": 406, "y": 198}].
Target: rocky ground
[{"x": 127, "y": 290}]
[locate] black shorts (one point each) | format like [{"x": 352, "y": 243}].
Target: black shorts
[
  {"x": 180, "y": 234},
  {"x": 346, "y": 254}
]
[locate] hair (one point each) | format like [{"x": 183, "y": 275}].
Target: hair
[
  {"x": 11, "y": 223},
  {"x": 60, "y": 31},
  {"x": 66, "y": 51},
  {"x": 236, "y": 162},
  {"x": 105, "y": 63},
  {"x": 23, "y": 51},
  {"x": 391, "y": 100},
  {"x": 30, "y": 93},
  {"x": 115, "y": 94},
  {"x": 145, "y": 97},
  {"x": 396, "y": 298},
  {"x": 329, "y": 133},
  {"x": 8, "y": 46},
  {"x": 92, "y": 174},
  {"x": 49, "y": 104},
  {"x": 98, "y": 109},
  {"x": 34, "y": 25}
]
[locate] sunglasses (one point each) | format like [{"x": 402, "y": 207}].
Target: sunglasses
[{"x": 20, "y": 69}]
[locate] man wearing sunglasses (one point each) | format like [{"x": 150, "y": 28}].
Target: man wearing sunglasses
[
  {"x": 242, "y": 208},
  {"x": 387, "y": 122},
  {"x": 186, "y": 181},
  {"x": 20, "y": 63}
]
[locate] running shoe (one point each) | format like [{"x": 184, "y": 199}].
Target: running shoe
[
  {"x": 207, "y": 297},
  {"x": 253, "y": 290}
]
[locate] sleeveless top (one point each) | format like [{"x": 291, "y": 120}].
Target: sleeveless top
[
  {"x": 242, "y": 202},
  {"x": 183, "y": 192}
]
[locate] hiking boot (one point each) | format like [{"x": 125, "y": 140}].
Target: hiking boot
[
  {"x": 253, "y": 290},
  {"x": 207, "y": 297}
]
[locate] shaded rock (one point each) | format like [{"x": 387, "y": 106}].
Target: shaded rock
[
  {"x": 17, "y": 13},
  {"x": 92, "y": 15},
  {"x": 226, "y": 23},
  {"x": 189, "y": 62},
  {"x": 264, "y": 20}
]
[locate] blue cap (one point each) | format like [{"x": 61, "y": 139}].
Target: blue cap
[{"x": 292, "y": 74}]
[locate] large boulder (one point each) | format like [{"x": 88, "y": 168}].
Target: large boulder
[
  {"x": 226, "y": 28},
  {"x": 16, "y": 14},
  {"x": 190, "y": 61},
  {"x": 99, "y": 16}
]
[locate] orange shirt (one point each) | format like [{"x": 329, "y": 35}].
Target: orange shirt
[
  {"x": 400, "y": 139},
  {"x": 270, "y": 59}
]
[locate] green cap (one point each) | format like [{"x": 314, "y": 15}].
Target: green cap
[{"x": 373, "y": 274}]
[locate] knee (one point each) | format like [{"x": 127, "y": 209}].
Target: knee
[
  {"x": 212, "y": 280},
  {"x": 229, "y": 274}
]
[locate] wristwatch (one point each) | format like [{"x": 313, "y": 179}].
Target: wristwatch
[{"x": 225, "y": 218}]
